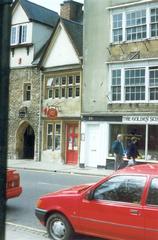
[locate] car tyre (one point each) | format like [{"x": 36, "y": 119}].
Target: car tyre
[{"x": 58, "y": 227}]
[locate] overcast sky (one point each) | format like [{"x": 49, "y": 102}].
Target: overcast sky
[{"x": 52, "y": 4}]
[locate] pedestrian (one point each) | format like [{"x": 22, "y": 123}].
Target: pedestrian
[
  {"x": 118, "y": 149},
  {"x": 132, "y": 151}
]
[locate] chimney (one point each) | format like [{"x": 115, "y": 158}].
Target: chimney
[{"x": 71, "y": 10}]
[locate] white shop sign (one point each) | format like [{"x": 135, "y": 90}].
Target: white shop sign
[{"x": 140, "y": 119}]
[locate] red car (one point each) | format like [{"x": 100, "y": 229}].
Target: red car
[
  {"x": 123, "y": 206},
  {"x": 13, "y": 188}
]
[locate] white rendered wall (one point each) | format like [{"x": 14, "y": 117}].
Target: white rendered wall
[
  {"x": 19, "y": 15},
  {"x": 61, "y": 51}
]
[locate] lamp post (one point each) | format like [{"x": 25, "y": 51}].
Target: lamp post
[{"x": 5, "y": 23}]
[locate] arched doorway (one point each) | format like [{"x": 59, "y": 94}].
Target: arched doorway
[{"x": 25, "y": 141}]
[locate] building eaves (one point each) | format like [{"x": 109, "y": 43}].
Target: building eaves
[{"x": 130, "y": 4}]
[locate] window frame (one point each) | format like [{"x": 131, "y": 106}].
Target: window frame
[
  {"x": 124, "y": 12},
  {"x": 52, "y": 85},
  {"x": 20, "y": 34},
  {"x": 135, "y": 65},
  {"x": 147, "y": 203},
  {"x": 53, "y": 136},
  {"x": 26, "y": 92}
]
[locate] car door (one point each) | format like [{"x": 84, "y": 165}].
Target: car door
[
  {"x": 151, "y": 211},
  {"x": 115, "y": 210}
]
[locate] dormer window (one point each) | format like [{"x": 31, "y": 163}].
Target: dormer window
[{"x": 19, "y": 34}]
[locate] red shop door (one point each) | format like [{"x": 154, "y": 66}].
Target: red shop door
[{"x": 72, "y": 144}]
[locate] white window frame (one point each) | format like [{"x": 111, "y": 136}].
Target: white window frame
[
  {"x": 147, "y": 8},
  {"x": 123, "y": 67},
  {"x": 21, "y": 36}
]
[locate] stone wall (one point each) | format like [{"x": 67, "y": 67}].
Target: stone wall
[{"x": 17, "y": 79}]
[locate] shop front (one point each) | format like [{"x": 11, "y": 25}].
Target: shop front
[
  {"x": 144, "y": 128},
  {"x": 97, "y": 137}
]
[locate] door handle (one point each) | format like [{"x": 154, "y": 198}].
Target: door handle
[{"x": 134, "y": 211}]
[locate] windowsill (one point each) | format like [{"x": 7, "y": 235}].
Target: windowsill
[
  {"x": 133, "y": 41},
  {"x": 20, "y": 45}
]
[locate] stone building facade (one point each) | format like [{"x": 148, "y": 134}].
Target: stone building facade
[
  {"x": 24, "y": 116},
  {"x": 27, "y": 44}
]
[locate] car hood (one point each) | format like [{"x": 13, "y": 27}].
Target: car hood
[{"x": 72, "y": 191}]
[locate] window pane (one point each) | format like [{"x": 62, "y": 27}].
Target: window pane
[
  {"x": 13, "y": 35},
  {"x": 57, "y": 142},
  {"x": 117, "y": 27},
  {"x": 153, "y": 193},
  {"x": 122, "y": 189}
]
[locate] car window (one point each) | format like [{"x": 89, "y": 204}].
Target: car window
[
  {"x": 121, "y": 189},
  {"x": 152, "y": 197}
]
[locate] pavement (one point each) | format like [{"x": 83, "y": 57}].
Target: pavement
[
  {"x": 20, "y": 232},
  {"x": 52, "y": 166}
]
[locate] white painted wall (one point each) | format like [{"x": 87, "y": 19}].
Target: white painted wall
[
  {"x": 21, "y": 53},
  {"x": 19, "y": 15},
  {"x": 61, "y": 51}
]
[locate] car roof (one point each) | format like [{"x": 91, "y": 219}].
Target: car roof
[{"x": 147, "y": 169}]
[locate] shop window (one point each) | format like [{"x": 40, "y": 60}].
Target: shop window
[
  {"x": 152, "y": 142},
  {"x": 128, "y": 131},
  {"x": 53, "y": 137},
  {"x": 27, "y": 92}
]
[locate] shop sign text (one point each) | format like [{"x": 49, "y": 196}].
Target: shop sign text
[{"x": 140, "y": 119}]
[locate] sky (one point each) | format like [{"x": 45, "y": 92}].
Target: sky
[{"x": 52, "y": 4}]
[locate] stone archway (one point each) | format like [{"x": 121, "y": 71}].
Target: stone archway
[{"x": 25, "y": 141}]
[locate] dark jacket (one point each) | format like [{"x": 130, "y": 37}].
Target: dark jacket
[{"x": 132, "y": 150}]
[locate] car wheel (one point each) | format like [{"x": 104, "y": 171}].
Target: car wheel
[{"x": 58, "y": 227}]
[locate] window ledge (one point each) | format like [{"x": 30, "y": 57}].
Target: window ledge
[{"x": 21, "y": 45}]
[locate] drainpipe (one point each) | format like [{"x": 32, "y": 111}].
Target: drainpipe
[
  {"x": 5, "y": 23},
  {"x": 40, "y": 117}
]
